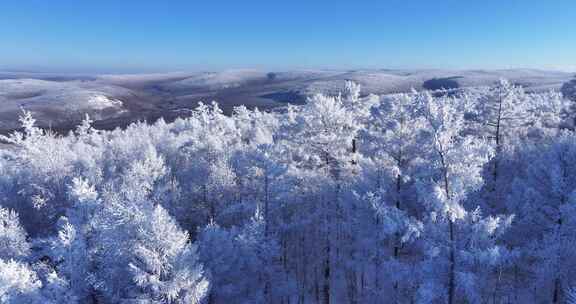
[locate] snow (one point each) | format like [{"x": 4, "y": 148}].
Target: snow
[
  {"x": 48, "y": 94},
  {"x": 58, "y": 101},
  {"x": 392, "y": 81},
  {"x": 100, "y": 102},
  {"x": 220, "y": 80},
  {"x": 74, "y": 95},
  {"x": 141, "y": 79}
]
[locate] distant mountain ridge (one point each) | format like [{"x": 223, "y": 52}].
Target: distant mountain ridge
[{"x": 60, "y": 100}]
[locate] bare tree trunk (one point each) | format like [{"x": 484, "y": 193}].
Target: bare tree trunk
[
  {"x": 266, "y": 205},
  {"x": 557, "y": 282},
  {"x": 354, "y": 149},
  {"x": 327, "y": 263},
  {"x": 451, "y": 278},
  {"x": 266, "y": 233},
  {"x": 363, "y": 280},
  {"x": 93, "y": 298},
  {"x": 556, "y": 296},
  {"x": 352, "y": 283},
  {"x": 515, "y": 283},
  {"x": 211, "y": 207},
  {"x": 497, "y": 137},
  {"x": 452, "y": 255},
  {"x": 497, "y": 284},
  {"x": 397, "y": 234},
  {"x": 376, "y": 274},
  {"x": 317, "y": 287},
  {"x": 327, "y": 274}
]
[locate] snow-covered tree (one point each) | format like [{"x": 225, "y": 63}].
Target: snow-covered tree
[
  {"x": 542, "y": 197},
  {"x": 400, "y": 198},
  {"x": 506, "y": 112},
  {"x": 165, "y": 265},
  {"x": 22, "y": 284},
  {"x": 506, "y": 109},
  {"x": 456, "y": 171},
  {"x": 13, "y": 243},
  {"x": 18, "y": 283},
  {"x": 393, "y": 138},
  {"x": 243, "y": 264}
]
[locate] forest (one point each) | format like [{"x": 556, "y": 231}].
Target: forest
[{"x": 448, "y": 196}]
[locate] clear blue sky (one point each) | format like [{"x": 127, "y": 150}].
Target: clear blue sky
[{"x": 125, "y": 35}]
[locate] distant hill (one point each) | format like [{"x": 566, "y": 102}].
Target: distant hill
[
  {"x": 61, "y": 100},
  {"x": 569, "y": 89}
]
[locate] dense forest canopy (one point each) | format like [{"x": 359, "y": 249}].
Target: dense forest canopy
[{"x": 466, "y": 196}]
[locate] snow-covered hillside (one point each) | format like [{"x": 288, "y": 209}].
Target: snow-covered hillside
[
  {"x": 114, "y": 99},
  {"x": 58, "y": 102},
  {"x": 392, "y": 81}
]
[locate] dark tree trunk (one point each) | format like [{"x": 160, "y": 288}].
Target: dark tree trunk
[
  {"x": 266, "y": 205},
  {"x": 327, "y": 274},
  {"x": 354, "y": 149},
  {"x": 556, "y": 295},
  {"x": 497, "y": 137},
  {"x": 557, "y": 282},
  {"x": 452, "y": 255},
  {"x": 397, "y": 235},
  {"x": 451, "y": 278}
]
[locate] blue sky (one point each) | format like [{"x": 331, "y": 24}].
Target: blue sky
[{"x": 142, "y": 35}]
